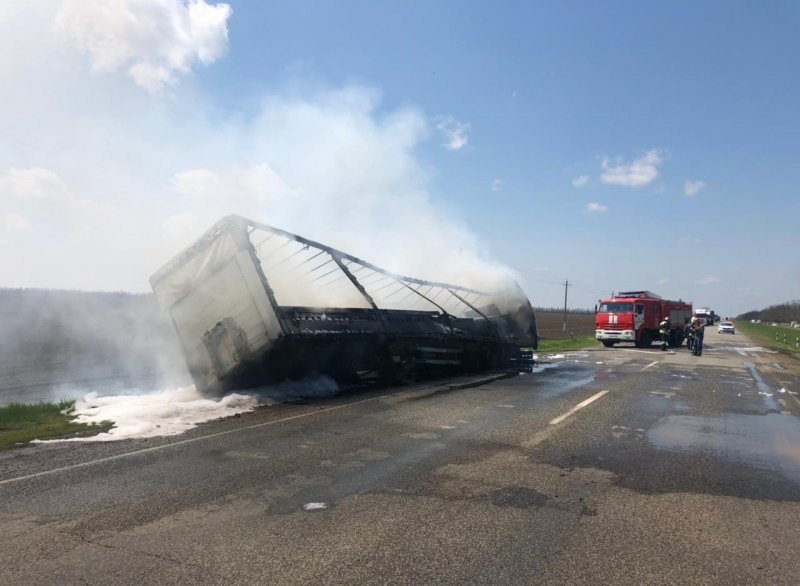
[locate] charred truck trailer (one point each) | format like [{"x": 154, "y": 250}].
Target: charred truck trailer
[
  {"x": 634, "y": 316},
  {"x": 254, "y": 305}
]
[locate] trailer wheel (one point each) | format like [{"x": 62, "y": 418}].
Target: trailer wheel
[{"x": 608, "y": 343}]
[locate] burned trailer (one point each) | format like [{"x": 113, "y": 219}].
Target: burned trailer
[{"x": 254, "y": 305}]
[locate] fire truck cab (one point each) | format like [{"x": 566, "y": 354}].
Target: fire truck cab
[{"x": 634, "y": 316}]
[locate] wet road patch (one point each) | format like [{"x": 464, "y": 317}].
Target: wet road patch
[{"x": 770, "y": 442}]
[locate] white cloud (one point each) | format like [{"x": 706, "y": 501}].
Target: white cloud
[
  {"x": 455, "y": 132},
  {"x": 580, "y": 181},
  {"x": 156, "y": 40},
  {"x": 16, "y": 223},
  {"x": 710, "y": 280},
  {"x": 691, "y": 188},
  {"x": 596, "y": 208},
  {"x": 639, "y": 173},
  {"x": 497, "y": 185},
  {"x": 663, "y": 281}
]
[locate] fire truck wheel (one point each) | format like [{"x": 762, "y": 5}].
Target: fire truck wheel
[
  {"x": 608, "y": 343},
  {"x": 645, "y": 340}
]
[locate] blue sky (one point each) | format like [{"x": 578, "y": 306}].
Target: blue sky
[{"x": 493, "y": 127}]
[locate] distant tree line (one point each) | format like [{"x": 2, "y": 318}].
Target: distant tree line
[{"x": 780, "y": 313}]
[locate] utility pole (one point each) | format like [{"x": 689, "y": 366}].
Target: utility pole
[{"x": 566, "y": 286}]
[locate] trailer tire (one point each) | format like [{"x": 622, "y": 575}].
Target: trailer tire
[{"x": 608, "y": 343}]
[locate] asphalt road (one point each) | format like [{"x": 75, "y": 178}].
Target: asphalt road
[{"x": 609, "y": 466}]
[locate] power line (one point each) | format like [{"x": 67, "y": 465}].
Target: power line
[{"x": 532, "y": 277}]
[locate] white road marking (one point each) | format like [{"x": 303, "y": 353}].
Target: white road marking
[
  {"x": 187, "y": 441},
  {"x": 650, "y": 365},
  {"x": 577, "y": 407}
]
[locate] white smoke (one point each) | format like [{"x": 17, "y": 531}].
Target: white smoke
[
  {"x": 109, "y": 183},
  {"x": 102, "y": 183}
]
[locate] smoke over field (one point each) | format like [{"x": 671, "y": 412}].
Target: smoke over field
[
  {"x": 118, "y": 354},
  {"x": 63, "y": 344}
]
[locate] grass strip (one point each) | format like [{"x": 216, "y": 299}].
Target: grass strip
[
  {"x": 576, "y": 343},
  {"x": 772, "y": 336},
  {"x": 20, "y": 423}
]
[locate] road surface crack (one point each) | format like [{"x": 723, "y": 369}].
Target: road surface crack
[{"x": 136, "y": 551}]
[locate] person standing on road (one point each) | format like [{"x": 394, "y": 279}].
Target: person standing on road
[
  {"x": 663, "y": 329},
  {"x": 699, "y": 331},
  {"x": 688, "y": 333}
]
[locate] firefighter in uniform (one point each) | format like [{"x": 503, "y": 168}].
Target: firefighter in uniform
[
  {"x": 688, "y": 333},
  {"x": 663, "y": 329},
  {"x": 699, "y": 330}
]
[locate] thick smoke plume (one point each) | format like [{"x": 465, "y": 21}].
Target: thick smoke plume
[
  {"x": 63, "y": 344},
  {"x": 102, "y": 182}
]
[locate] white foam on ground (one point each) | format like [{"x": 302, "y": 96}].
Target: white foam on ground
[
  {"x": 174, "y": 411},
  {"x": 556, "y": 356},
  {"x": 168, "y": 412}
]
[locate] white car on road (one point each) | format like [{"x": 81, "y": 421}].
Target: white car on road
[{"x": 726, "y": 327}]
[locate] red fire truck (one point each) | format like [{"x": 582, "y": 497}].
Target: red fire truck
[{"x": 633, "y": 316}]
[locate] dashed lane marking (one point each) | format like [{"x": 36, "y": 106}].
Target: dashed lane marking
[{"x": 578, "y": 407}]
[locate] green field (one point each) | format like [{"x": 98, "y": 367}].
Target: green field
[
  {"x": 771, "y": 336},
  {"x": 22, "y": 423}
]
